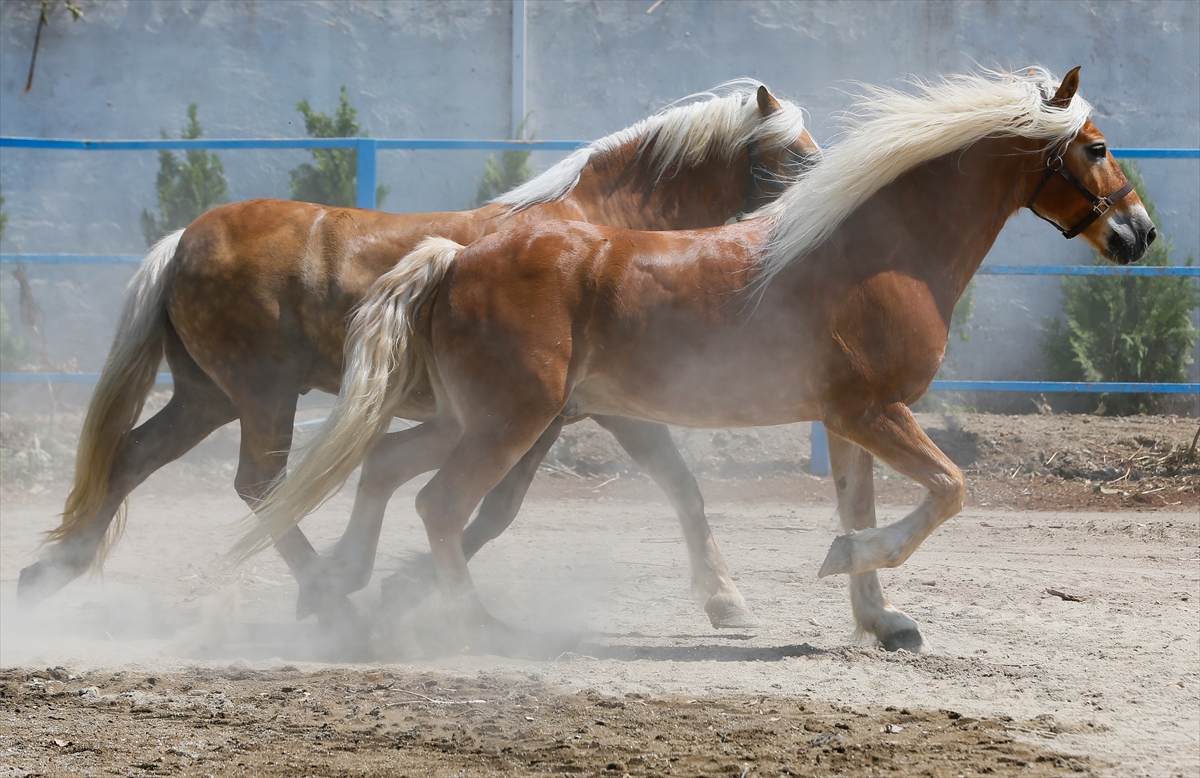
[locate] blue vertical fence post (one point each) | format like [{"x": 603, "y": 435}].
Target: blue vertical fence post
[
  {"x": 820, "y": 450},
  {"x": 366, "y": 172}
]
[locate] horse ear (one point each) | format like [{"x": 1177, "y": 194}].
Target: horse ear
[
  {"x": 767, "y": 104},
  {"x": 1066, "y": 90}
]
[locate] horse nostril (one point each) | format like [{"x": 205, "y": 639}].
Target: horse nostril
[{"x": 1151, "y": 235}]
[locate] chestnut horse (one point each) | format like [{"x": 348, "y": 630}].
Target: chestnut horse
[
  {"x": 832, "y": 304},
  {"x": 250, "y": 303}
]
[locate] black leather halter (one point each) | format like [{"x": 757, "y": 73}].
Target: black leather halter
[{"x": 1100, "y": 205}]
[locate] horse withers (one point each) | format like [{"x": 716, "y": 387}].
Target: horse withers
[
  {"x": 249, "y": 305},
  {"x": 831, "y": 304}
]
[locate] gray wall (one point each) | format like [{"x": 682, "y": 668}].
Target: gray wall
[{"x": 442, "y": 69}]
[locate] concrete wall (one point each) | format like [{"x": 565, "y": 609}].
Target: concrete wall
[{"x": 442, "y": 69}]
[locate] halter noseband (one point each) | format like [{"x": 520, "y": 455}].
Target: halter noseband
[{"x": 1100, "y": 205}]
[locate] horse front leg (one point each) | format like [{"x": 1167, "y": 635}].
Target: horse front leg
[
  {"x": 853, "y": 475},
  {"x": 267, "y": 419},
  {"x": 652, "y": 448},
  {"x": 892, "y": 434}
]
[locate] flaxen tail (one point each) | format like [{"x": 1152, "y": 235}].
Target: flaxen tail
[
  {"x": 385, "y": 361},
  {"x": 126, "y": 380}
]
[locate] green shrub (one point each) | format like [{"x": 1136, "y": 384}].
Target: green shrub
[
  {"x": 185, "y": 190},
  {"x": 333, "y": 180},
  {"x": 511, "y": 171},
  {"x": 1125, "y": 328}
]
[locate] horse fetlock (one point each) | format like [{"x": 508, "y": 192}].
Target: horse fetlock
[
  {"x": 707, "y": 583},
  {"x": 861, "y": 552},
  {"x": 728, "y": 610}
]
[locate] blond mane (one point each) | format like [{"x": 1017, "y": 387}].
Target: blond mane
[
  {"x": 890, "y": 132},
  {"x": 709, "y": 125}
]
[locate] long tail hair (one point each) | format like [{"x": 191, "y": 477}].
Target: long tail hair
[
  {"x": 386, "y": 360},
  {"x": 125, "y": 382}
]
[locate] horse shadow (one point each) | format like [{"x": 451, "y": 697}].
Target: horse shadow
[{"x": 700, "y": 652}]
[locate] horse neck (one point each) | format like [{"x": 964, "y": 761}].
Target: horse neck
[
  {"x": 939, "y": 220},
  {"x": 621, "y": 189}
]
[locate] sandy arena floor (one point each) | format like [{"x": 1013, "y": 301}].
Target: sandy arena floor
[{"x": 174, "y": 665}]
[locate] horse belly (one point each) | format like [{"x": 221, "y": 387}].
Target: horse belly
[{"x": 701, "y": 403}]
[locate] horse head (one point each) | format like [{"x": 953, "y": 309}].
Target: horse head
[
  {"x": 775, "y": 167},
  {"x": 1082, "y": 191}
]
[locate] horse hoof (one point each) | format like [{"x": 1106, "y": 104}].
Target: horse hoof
[
  {"x": 908, "y": 639},
  {"x": 40, "y": 581},
  {"x": 309, "y": 600},
  {"x": 337, "y": 612},
  {"x": 840, "y": 558},
  {"x": 332, "y": 610},
  {"x": 727, "y": 613}
]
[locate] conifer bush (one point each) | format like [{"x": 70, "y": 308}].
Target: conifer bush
[
  {"x": 333, "y": 178},
  {"x": 1125, "y": 328},
  {"x": 185, "y": 189}
]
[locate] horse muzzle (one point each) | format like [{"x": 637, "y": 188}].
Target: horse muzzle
[{"x": 1129, "y": 236}]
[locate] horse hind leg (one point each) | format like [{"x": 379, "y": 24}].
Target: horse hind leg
[
  {"x": 478, "y": 462},
  {"x": 854, "y": 478},
  {"x": 652, "y": 448},
  {"x": 501, "y": 505},
  {"x": 396, "y": 459},
  {"x": 411, "y": 582},
  {"x": 194, "y": 411}
]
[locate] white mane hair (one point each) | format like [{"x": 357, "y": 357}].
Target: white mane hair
[
  {"x": 716, "y": 124},
  {"x": 890, "y": 132}
]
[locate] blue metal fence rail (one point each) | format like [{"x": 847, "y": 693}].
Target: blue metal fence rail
[{"x": 368, "y": 148}]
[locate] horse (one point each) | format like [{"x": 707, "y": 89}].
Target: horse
[
  {"x": 833, "y": 303},
  {"x": 249, "y": 305}
]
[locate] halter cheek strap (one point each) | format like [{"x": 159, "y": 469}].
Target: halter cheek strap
[{"x": 1100, "y": 205}]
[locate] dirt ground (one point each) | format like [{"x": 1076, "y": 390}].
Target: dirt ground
[{"x": 174, "y": 664}]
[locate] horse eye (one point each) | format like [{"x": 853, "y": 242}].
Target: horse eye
[{"x": 1098, "y": 150}]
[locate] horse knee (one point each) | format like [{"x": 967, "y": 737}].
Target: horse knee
[{"x": 951, "y": 490}]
